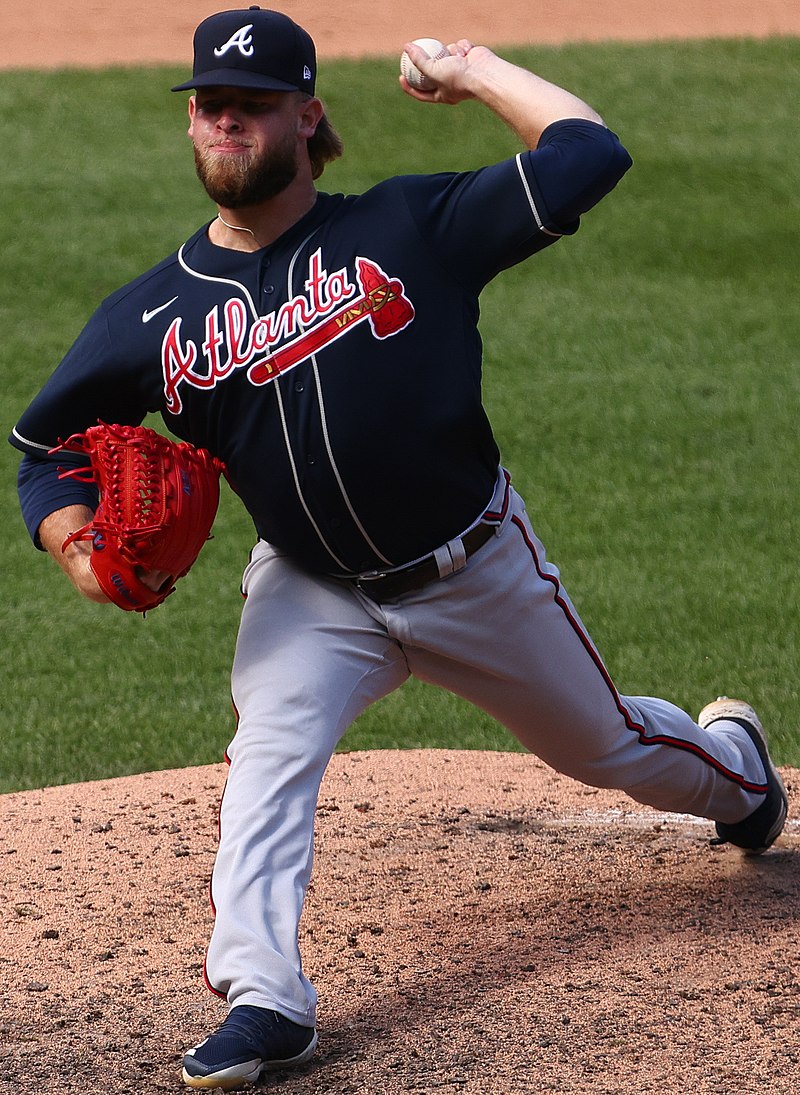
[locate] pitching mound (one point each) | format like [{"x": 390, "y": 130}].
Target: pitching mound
[{"x": 476, "y": 923}]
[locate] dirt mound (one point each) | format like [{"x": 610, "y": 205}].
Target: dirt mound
[{"x": 475, "y": 923}]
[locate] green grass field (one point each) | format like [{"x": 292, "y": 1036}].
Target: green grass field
[{"x": 642, "y": 379}]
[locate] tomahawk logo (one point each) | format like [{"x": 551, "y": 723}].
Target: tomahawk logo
[{"x": 241, "y": 40}]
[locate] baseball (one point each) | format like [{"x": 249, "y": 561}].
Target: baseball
[{"x": 435, "y": 49}]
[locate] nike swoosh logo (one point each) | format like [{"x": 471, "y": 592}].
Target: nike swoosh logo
[{"x": 148, "y": 313}]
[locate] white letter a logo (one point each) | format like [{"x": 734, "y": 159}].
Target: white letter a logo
[{"x": 242, "y": 40}]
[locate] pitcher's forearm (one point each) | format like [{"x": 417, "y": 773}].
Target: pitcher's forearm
[{"x": 75, "y": 560}]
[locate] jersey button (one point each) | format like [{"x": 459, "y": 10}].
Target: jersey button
[
  {"x": 269, "y": 288},
  {"x": 310, "y": 459},
  {"x": 298, "y": 387}
]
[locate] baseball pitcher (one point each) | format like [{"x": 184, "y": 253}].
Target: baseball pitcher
[{"x": 324, "y": 349}]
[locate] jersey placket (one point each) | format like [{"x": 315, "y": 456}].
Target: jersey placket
[{"x": 320, "y": 488}]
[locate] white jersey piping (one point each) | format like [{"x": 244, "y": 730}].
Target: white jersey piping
[
  {"x": 531, "y": 202},
  {"x": 329, "y": 451},
  {"x": 33, "y": 444}
]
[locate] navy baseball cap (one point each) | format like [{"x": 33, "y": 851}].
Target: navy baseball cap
[{"x": 252, "y": 47}]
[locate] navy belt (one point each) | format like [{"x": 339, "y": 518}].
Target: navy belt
[{"x": 388, "y": 587}]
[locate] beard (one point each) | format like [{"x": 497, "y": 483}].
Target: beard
[{"x": 235, "y": 181}]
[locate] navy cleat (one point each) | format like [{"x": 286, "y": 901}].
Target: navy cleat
[
  {"x": 250, "y": 1041},
  {"x": 763, "y": 827}
]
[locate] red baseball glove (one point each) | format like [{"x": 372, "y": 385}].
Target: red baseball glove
[{"x": 158, "y": 501}]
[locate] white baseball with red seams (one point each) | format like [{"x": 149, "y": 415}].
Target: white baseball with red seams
[{"x": 435, "y": 49}]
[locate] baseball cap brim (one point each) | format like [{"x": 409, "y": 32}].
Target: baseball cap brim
[{"x": 235, "y": 77}]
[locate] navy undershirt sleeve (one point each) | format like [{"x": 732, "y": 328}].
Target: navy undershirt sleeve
[
  {"x": 477, "y": 223},
  {"x": 574, "y": 166},
  {"x": 42, "y": 492}
]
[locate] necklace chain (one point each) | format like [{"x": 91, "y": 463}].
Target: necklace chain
[{"x": 236, "y": 227}]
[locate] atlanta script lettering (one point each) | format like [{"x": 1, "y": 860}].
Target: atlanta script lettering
[{"x": 272, "y": 344}]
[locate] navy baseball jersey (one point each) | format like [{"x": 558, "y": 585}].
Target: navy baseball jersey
[{"x": 337, "y": 371}]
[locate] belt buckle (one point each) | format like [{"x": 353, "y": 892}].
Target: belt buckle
[
  {"x": 363, "y": 582},
  {"x": 371, "y": 577}
]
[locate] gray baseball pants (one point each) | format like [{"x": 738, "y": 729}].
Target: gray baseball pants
[{"x": 313, "y": 653}]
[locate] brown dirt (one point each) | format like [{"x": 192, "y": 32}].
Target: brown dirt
[
  {"x": 108, "y": 32},
  {"x": 476, "y": 922}
]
